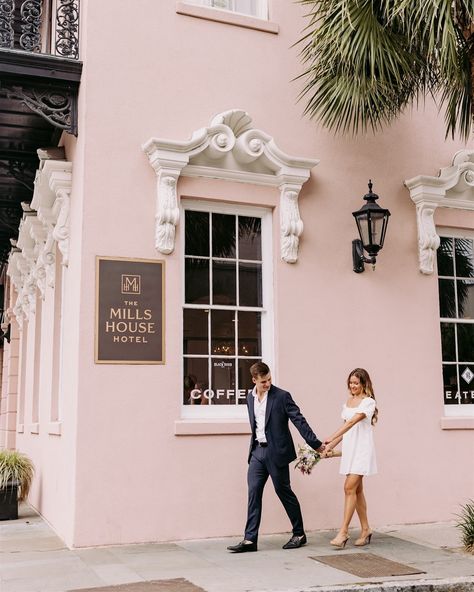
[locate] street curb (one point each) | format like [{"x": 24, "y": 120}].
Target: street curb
[{"x": 445, "y": 585}]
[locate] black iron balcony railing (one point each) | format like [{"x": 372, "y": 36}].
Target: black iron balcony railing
[{"x": 40, "y": 26}]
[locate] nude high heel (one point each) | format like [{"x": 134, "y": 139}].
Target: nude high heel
[
  {"x": 339, "y": 544},
  {"x": 363, "y": 541}
]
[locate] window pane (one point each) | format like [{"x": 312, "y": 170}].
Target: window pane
[
  {"x": 197, "y": 233},
  {"x": 223, "y": 381},
  {"x": 223, "y": 282},
  {"x": 195, "y": 330},
  {"x": 249, "y": 330},
  {"x": 445, "y": 257},
  {"x": 223, "y": 236},
  {"x": 245, "y": 380},
  {"x": 466, "y": 377},
  {"x": 447, "y": 301},
  {"x": 250, "y": 238},
  {"x": 246, "y": 6},
  {"x": 465, "y": 342},
  {"x": 448, "y": 344},
  {"x": 465, "y": 290},
  {"x": 195, "y": 381},
  {"x": 450, "y": 384},
  {"x": 197, "y": 281},
  {"x": 464, "y": 257},
  {"x": 223, "y": 332},
  {"x": 250, "y": 284}
]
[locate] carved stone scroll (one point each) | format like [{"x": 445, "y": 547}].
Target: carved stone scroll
[
  {"x": 167, "y": 213},
  {"x": 291, "y": 225},
  {"x": 428, "y": 239}
]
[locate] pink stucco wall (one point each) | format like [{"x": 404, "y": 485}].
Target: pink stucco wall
[{"x": 118, "y": 473}]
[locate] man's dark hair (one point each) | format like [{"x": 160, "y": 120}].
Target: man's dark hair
[{"x": 259, "y": 369}]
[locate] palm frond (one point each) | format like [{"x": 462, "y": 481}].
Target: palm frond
[{"x": 366, "y": 60}]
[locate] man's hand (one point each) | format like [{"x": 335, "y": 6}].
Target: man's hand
[{"x": 322, "y": 448}]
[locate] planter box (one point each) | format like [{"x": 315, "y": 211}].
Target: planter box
[{"x": 9, "y": 502}]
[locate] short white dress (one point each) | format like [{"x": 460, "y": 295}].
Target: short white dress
[{"x": 358, "y": 450}]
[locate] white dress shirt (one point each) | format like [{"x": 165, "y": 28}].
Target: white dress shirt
[{"x": 259, "y": 409}]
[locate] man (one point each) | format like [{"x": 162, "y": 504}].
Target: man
[{"x": 271, "y": 451}]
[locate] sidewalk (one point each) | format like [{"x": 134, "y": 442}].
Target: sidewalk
[{"x": 34, "y": 559}]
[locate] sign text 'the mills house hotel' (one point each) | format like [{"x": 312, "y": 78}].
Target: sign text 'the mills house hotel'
[{"x": 129, "y": 311}]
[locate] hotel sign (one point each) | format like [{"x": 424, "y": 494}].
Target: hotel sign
[{"x": 129, "y": 311}]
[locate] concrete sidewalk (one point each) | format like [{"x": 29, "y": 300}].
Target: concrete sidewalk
[{"x": 34, "y": 559}]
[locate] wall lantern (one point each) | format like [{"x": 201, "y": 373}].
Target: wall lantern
[{"x": 372, "y": 223}]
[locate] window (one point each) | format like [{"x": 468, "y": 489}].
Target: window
[
  {"x": 456, "y": 303},
  {"x": 226, "y": 325},
  {"x": 256, "y": 8}
]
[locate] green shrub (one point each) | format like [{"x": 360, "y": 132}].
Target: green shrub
[
  {"x": 16, "y": 466},
  {"x": 466, "y": 525}
]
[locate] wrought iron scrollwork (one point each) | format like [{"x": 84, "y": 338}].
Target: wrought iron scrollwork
[
  {"x": 30, "y": 39},
  {"x": 67, "y": 28},
  {"x": 57, "y": 107},
  {"x": 24, "y": 31},
  {"x": 7, "y": 15}
]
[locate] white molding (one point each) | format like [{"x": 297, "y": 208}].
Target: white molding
[
  {"x": 32, "y": 263},
  {"x": 231, "y": 149},
  {"x": 452, "y": 188}
]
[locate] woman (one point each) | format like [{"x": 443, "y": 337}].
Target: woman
[{"x": 358, "y": 453}]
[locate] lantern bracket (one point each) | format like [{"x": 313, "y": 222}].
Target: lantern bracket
[{"x": 358, "y": 257}]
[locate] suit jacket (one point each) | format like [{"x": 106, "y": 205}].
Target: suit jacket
[{"x": 280, "y": 409}]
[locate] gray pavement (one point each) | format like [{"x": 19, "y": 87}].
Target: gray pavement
[{"x": 34, "y": 559}]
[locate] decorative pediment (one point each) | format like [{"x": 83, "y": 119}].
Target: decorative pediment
[
  {"x": 230, "y": 148},
  {"x": 452, "y": 188}
]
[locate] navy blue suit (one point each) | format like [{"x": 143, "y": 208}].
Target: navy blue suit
[{"x": 274, "y": 459}]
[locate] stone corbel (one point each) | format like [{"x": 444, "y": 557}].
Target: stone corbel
[
  {"x": 49, "y": 258},
  {"x": 453, "y": 188},
  {"x": 51, "y": 200},
  {"x": 291, "y": 224},
  {"x": 27, "y": 295},
  {"x": 428, "y": 239},
  {"x": 166, "y": 212},
  {"x": 13, "y": 271},
  {"x": 38, "y": 234},
  {"x": 61, "y": 209},
  {"x": 166, "y": 201}
]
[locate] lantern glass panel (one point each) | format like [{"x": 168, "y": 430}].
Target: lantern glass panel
[{"x": 363, "y": 227}]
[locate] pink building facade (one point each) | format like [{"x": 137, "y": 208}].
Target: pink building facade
[{"x": 228, "y": 216}]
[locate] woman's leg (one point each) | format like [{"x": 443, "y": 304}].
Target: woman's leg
[
  {"x": 350, "y": 501},
  {"x": 361, "y": 509}
]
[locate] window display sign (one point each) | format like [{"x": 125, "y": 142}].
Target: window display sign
[{"x": 129, "y": 311}]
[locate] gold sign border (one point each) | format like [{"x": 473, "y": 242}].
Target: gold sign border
[{"x": 99, "y": 258}]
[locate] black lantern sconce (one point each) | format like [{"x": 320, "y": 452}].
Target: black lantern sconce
[{"x": 372, "y": 223}]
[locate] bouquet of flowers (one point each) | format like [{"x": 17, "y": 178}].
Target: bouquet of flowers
[{"x": 307, "y": 459}]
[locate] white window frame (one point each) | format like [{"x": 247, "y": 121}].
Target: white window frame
[
  {"x": 458, "y": 410},
  {"x": 261, "y": 12},
  {"x": 234, "y": 411}
]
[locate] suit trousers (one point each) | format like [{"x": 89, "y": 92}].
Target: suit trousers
[{"x": 259, "y": 470}]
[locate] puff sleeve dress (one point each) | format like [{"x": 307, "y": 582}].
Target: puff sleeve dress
[{"x": 358, "y": 451}]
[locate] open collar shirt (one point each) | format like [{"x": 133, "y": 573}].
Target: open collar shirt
[{"x": 259, "y": 409}]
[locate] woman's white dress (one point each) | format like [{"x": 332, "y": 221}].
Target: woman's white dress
[{"x": 358, "y": 451}]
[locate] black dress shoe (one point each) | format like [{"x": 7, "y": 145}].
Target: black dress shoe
[
  {"x": 295, "y": 542},
  {"x": 243, "y": 547}
]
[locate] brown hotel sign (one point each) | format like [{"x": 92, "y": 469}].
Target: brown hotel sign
[{"x": 129, "y": 311}]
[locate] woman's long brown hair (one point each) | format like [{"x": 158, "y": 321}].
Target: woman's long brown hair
[{"x": 367, "y": 387}]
